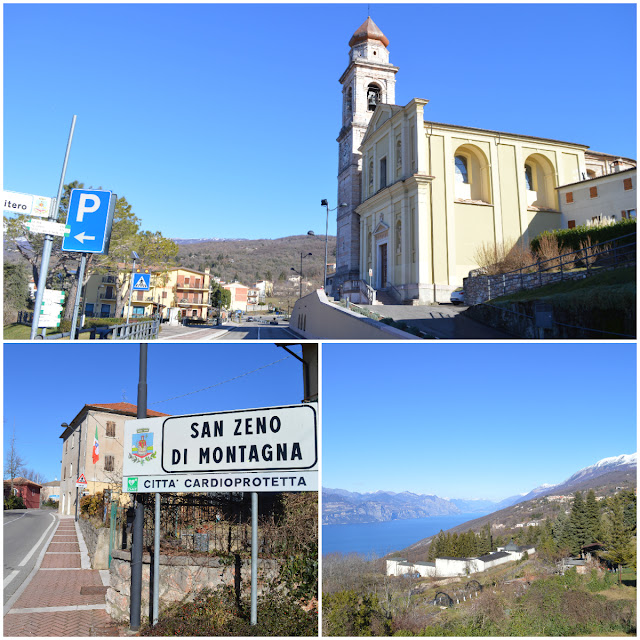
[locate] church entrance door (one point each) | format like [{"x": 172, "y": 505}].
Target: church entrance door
[{"x": 383, "y": 266}]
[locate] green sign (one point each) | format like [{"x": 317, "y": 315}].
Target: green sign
[{"x": 132, "y": 484}]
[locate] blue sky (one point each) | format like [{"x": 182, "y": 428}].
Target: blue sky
[
  {"x": 473, "y": 420},
  {"x": 220, "y": 120},
  {"x": 48, "y": 384}
]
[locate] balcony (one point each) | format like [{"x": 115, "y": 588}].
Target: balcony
[
  {"x": 189, "y": 287},
  {"x": 109, "y": 279},
  {"x": 184, "y": 302},
  {"x": 107, "y": 296}
]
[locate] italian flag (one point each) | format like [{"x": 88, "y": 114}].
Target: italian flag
[{"x": 96, "y": 447}]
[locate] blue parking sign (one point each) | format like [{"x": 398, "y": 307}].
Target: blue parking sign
[
  {"x": 89, "y": 221},
  {"x": 141, "y": 281}
]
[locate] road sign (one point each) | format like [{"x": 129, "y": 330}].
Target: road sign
[
  {"x": 53, "y": 295},
  {"x": 81, "y": 481},
  {"x": 89, "y": 221},
  {"x": 141, "y": 281},
  {"x": 27, "y": 204},
  {"x": 48, "y": 321},
  {"x": 267, "y": 449},
  {"x": 46, "y": 226}
]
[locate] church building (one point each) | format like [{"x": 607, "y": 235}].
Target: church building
[{"x": 418, "y": 198}]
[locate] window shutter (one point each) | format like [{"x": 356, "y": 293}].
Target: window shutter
[
  {"x": 571, "y": 224},
  {"x": 628, "y": 184},
  {"x": 569, "y": 197},
  {"x": 593, "y": 192}
]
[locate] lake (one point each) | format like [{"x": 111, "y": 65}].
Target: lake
[{"x": 379, "y": 538}]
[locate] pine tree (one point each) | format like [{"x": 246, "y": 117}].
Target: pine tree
[
  {"x": 617, "y": 535},
  {"x": 592, "y": 509}
]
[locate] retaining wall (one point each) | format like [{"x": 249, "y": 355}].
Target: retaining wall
[
  {"x": 97, "y": 541},
  {"x": 314, "y": 318},
  {"x": 181, "y": 577}
]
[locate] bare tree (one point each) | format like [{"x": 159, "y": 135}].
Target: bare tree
[
  {"x": 34, "y": 476},
  {"x": 14, "y": 463}
]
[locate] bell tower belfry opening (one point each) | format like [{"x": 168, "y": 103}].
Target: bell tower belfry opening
[{"x": 368, "y": 81}]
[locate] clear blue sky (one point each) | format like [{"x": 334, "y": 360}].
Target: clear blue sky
[
  {"x": 48, "y": 384},
  {"x": 473, "y": 420},
  {"x": 220, "y": 120}
]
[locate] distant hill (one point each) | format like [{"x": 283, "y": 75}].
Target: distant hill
[
  {"x": 251, "y": 260},
  {"x": 605, "y": 477},
  {"x": 342, "y": 507}
]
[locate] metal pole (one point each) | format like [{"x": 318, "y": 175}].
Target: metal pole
[
  {"x": 138, "y": 522},
  {"x": 156, "y": 562},
  {"x": 326, "y": 249},
  {"x": 254, "y": 558},
  {"x": 48, "y": 241},
  {"x": 300, "y": 296},
  {"x": 133, "y": 268},
  {"x": 76, "y": 305}
]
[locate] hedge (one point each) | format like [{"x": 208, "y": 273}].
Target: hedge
[{"x": 572, "y": 238}]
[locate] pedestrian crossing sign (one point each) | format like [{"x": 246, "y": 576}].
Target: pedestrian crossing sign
[{"x": 141, "y": 281}]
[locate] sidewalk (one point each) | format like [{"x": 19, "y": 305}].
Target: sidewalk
[{"x": 65, "y": 597}]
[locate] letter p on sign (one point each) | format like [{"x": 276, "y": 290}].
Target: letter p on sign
[{"x": 88, "y": 204}]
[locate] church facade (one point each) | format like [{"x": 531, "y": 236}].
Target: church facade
[{"x": 417, "y": 199}]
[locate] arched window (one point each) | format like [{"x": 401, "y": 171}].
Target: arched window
[
  {"x": 348, "y": 101},
  {"x": 540, "y": 178},
  {"x": 373, "y": 96},
  {"x": 462, "y": 175},
  {"x": 398, "y": 157},
  {"x": 472, "y": 174},
  {"x": 528, "y": 177},
  {"x": 370, "y": 177}
]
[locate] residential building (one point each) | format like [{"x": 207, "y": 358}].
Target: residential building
[
  {"x": 28, "y": 490},
  {"x": 106, "y": 422},
  {"x": 422, "y": 197},
  {"x": 452, "y": 567},
  {"x": 50, "y": 491},
  {"x": 608, "y": 195},
  {"x": 175, "y": 293},
  {"x": 239, "y": 296}
]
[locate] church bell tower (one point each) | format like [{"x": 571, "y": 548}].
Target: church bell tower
[{"x": 369, "y": 80}]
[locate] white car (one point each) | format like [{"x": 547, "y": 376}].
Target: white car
[{"x": 457, "y": 296}]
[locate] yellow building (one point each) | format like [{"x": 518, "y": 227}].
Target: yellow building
[
  {"x": 176, "y": 293},
  {"x": 421, "y": 198}
]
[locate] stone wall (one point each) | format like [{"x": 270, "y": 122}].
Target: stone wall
[
  {"x": 181, "y": 577},
  {"x": 97, "y": 541},
  {"x": 480, "y": 288}
]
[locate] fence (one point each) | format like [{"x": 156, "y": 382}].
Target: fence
[
  {"x": 569, "y": 266},
  {"x": 218, "y": 524}
]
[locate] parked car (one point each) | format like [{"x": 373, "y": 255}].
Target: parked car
[
  {"x": 457, "y": 296},
  {"x": 273, "y": 321}
]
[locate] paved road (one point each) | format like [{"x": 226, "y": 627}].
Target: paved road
[
  {"x": 179, "y": 332},
  {"x": 25, "y": 534},
  {"x": 441, "y": 320},
  {"x": 258, "y": 331}
]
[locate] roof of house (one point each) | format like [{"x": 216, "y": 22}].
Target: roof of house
[
  {"x": 424, "y": 564},
  {"x": 22, "y": 481},
  {"x": 120, "y": 408},
  {"x": 487, "y": 557},
  {"x": 606, "y": 175}
]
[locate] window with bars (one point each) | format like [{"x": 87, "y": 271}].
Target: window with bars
[{"x": 111, "y": 429}]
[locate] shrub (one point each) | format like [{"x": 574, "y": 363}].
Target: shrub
[
  {"x": 347, "y": 613},
  {"x": 14, "y": 502},
  {"x": 219, "y": 613},
  {"x": 91, "y": 506},
  {"x": 571, "y": 239}
]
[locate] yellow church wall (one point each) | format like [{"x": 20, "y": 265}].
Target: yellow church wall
[
  {"x": 474, "y": 226},
  {"x": 571, "y": 171},
  {"x": 437, "y": 211},
  {"x": 509, "y": 193},
  {"x": 540, "y": 221}
]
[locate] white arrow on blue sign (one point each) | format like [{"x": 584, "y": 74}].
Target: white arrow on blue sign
[
  {"x": 141, "y": 281},
  {"x": 89, "y": 221}
]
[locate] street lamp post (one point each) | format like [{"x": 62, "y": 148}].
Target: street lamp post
[
  {"x": 325, "y": 203},
  {"x": 302, "y": 255}
]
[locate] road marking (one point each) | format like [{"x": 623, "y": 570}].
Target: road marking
[
  {"x": 18, "y": 518},
  {"x": 44, "y": 535},
  {"x": 73, "y": 607},
  {"x": 25, "y": 584},
  {"x": 9, "y": 578},
  {"x": 187, "y": 333}
]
